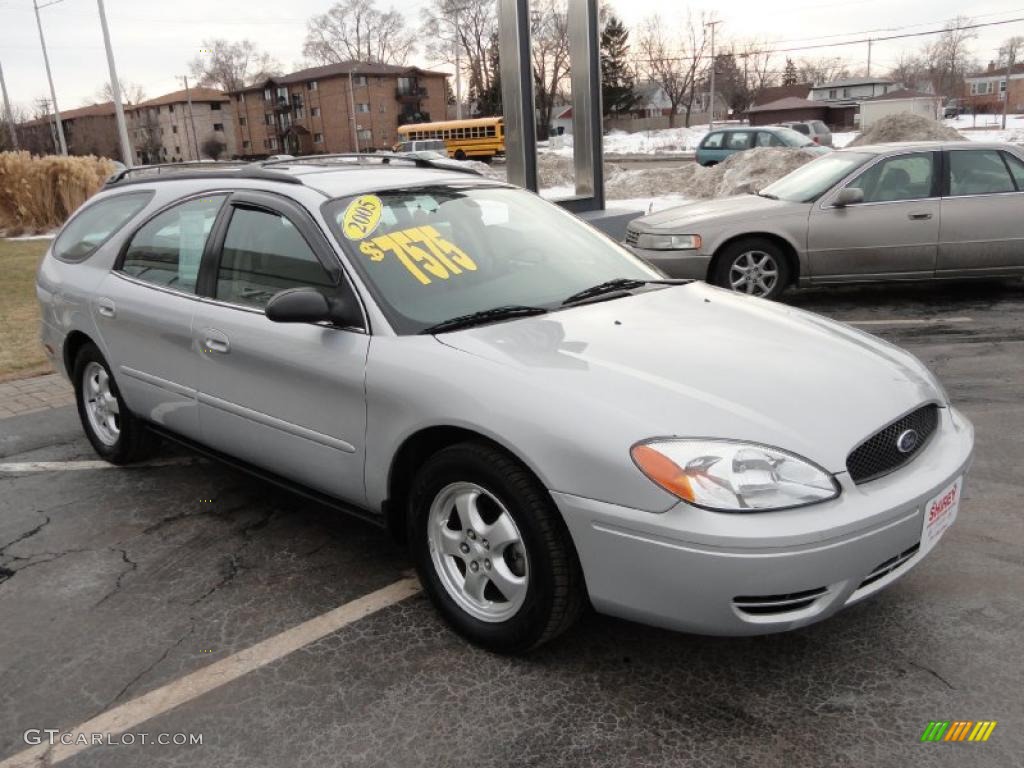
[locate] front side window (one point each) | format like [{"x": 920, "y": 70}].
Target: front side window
[
  {"x": 432, "y": 253},
  {"x": 903, "y": 177},
  {"x": 96, "y": 224},
  {"x": 168, "y": 248},
  {"x": 809, "y": 182},
  {"x": 264, "y": 253},
  {"x": 978, "y": 172}
]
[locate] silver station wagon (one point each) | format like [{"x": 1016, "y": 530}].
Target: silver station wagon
[
  {"x": 546, "y": 420},
  {"x": 914, "y": 211}
]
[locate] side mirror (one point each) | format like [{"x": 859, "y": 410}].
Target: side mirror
[
  {"x": 848, "y": 196},
  {"x": 308, "y": 305}
]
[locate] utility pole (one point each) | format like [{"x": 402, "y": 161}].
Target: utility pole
[
  {"x": 869, "y": 56},
  {"x": 191, "y": 118},
  {"x": 711, "y": 105},
  {"x": 127, "y": 153},
  {"x": 458, "y": 69},
  {"x": 1010, "y": 56},
  {"x": 49, "y": 75},
  {"x": 7, "y": 112}
]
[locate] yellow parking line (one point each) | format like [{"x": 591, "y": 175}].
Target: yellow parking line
[{"x": 192, "y": 686}]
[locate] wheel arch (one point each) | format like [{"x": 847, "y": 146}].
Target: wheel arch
[
  {"x": 788, "y": 249},
  {"x": 414, "y": 450},
  {"x": 73, "y": 344}
]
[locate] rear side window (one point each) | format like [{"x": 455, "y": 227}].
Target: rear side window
[
  {"x": 264, "y": 253},
  {"x": 978, "y": 172},
  {"x": 712, "y": 141},
  {"x": 737, "y": 140},
  {"x": 168, "y": 248},
  {"x": 96, "y": 223}
]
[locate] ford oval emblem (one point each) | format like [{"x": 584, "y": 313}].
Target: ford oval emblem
[{"x": 907, "y": 441}]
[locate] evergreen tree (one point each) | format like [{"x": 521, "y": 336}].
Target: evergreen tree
[
  {"x": 617, "y": 83},
  {"x": 789, "y": 74},
  {"x": 488, "y": 101}
]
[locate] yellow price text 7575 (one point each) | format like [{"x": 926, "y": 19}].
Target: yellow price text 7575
[{"x": 422, "y": 251}]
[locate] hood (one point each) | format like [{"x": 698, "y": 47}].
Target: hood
[
  {"x": 697, "y": 361},
  {"x": 747, "y": 207}
]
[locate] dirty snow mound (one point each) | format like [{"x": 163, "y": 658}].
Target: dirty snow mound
[{"x": 905, "y": 126}]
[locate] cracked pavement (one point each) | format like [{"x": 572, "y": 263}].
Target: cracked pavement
[{"x": 115, "y": 582}]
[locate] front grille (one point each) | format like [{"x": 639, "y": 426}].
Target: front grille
[
  {"x": 631, "y": 237},
  {"x": 894, "y": 563},
  {"x": 766, "y": 605},
  {"x": 879, "y": 454}
]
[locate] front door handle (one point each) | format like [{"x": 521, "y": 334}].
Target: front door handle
[
  {"x": 215, "y": 341},
  {"x": 918, "y": 216},
  {"x": 106, "y": 307}
]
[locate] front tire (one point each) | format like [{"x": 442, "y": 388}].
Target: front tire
[
  {"x": 492, "y": 550},
  {"x": 116, "y": 435},
  {"x": 755, "y": 266}
]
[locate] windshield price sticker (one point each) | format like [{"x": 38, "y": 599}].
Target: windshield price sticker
[
  {"x": 436, "y": 258},
  {"x": 362, "y": 217}
]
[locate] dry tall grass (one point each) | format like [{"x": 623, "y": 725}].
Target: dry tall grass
[{"x": 38, "y": 193}]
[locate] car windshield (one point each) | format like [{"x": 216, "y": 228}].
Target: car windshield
[
  {"x": 432, "y": 253},
  {"x": 809, "y": 182}
]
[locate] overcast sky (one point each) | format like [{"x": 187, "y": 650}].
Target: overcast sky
[{"x": 154, "y": 41}]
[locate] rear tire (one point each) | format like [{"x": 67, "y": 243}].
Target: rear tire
[
  {"x": 115, "y": 433},
  {"x": 460, "y": 155},
  {"x": 754, "y": 266},
  {"x": 492, "y": 550}
]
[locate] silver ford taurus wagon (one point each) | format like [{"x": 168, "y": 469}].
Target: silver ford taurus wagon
[{"x": 545, "y": 419}]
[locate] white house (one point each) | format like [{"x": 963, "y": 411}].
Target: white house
[
  {"x": 853, "y": 89},
  {"x": 916, "y": 102}
]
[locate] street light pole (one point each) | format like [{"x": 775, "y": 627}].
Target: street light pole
[
  {"x": 49, "y": 75},
  {"x": 7, "y": 112},
  {"x": 127, "y": 153}
]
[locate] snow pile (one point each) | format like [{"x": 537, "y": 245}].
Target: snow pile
[
  {"x": 905, "y": 126},
  {"x": 657, "y": 142},
  {"x": 741, "y": 173}
]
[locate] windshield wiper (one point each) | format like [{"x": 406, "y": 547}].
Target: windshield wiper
[
  {"x": 484, "y": 316},
  {"x": 617, "y": 284}
]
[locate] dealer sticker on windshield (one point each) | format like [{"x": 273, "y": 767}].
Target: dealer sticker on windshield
[
  {"x": 362, "y": 217},
  {"x": 939, "y": 514},
  {"x": 422, "y": 251}
]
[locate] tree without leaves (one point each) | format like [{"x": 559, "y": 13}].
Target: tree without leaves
[
  {"x": 822, "y": 70},
  {"x": 355, "y": 30},
  {"x": 949, "y": 57},
  {"x": 617, "y": 81},
  {"x": 472, "y": 26},
  {"x": 488, "y": 101},
  {"x": 131, "y": 93},
  {"x": 232, "y": 66},
  {"x": 550, "y": 58},
  {"x": 674, "y": 65}
]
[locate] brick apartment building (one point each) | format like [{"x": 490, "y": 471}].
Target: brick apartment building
[
  {"x": 167, "y": 129},
  {"x": 986, "y": 91},
  {"x": 90, "y": 130},
  {"x": 311, "y": 111}
]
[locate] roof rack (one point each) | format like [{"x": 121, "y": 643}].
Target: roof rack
[
  {"x": 235, "y": 169},
  {"x": 364, "y": 159}
]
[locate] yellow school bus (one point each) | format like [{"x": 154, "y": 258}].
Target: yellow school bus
[{"x": 481, "y": 138}]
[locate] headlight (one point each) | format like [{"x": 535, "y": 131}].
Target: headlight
[
  {"x": 669, "y": 242},
  {"x": 730, "y": 476}
]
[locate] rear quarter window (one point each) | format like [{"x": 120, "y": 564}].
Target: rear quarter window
[{"x": 94, "y": 224}]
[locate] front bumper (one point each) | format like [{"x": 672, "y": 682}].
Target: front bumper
[
  {"x": 685, "y": 568},
  {"x": 690, "y": 264}
]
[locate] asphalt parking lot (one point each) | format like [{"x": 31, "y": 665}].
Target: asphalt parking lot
[{"x": 115, "y": 583}]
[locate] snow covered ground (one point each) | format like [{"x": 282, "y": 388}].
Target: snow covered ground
[
  {"x": 661, "y": 141},
  {"x": 989, "y": 127}
]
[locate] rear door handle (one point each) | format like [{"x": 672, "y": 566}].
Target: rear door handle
[
  {"x": 106, "y": 307},
  {"x": 215, "y": 341},
  {"x": 918, "y": 216}
]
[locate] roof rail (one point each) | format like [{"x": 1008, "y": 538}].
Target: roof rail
[
  {"x": 369, "y": 159},
  {"x": 235, "y": 169}
]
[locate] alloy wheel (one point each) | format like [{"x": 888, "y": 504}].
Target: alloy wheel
[
  {"x": 478, "y": 552},
  {"x": 754, "y": 272},
  {"x": 101, "y": 406}
]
